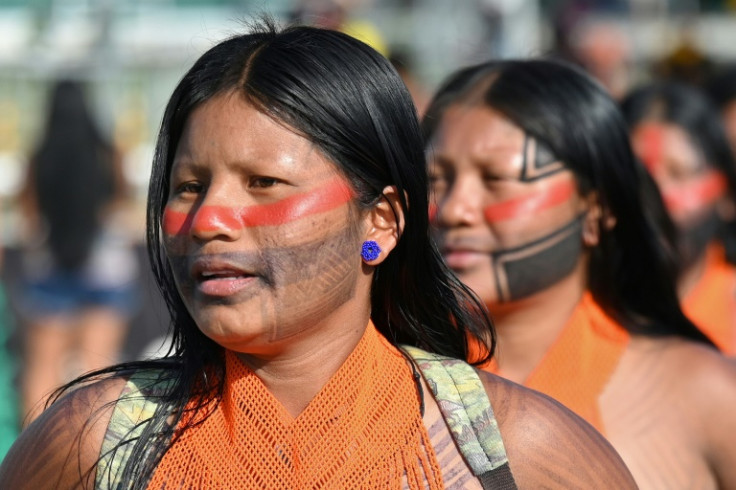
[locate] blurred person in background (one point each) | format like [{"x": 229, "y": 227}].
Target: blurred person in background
[
  {"x": 601, "y": 45},
  {"x": 79, "y": 267},
  {"x": 338, "y": 15},
  {"x": 537, "y": 208},
  {"x": 678, "y": 135},
  {"x": 593, "y": 35}
]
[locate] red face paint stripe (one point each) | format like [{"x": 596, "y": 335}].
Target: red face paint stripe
[
  {"x": 702, "y": 192},
  {"x": 174, "y": 222},
  {"x": 432, "y": 213},
  {"x": 650, "y": 151},
  {"x": 514, "y": 208},
  {"x": 209, "y": 218}
]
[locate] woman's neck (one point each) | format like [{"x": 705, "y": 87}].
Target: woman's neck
[
  {"x": 295, "y": 375},
  {"x": 527, "y": 328},
  {"x": 690, "y": 277}
]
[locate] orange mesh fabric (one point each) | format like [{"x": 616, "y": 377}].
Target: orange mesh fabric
[
  {"x": 577, "y": 367},
  {"x": 711, "y": 305},
  {"x": 362, "y": 430}
]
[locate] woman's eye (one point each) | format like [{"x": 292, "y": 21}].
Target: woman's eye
[
  {"x": 189, "y": 188},
  {"x": 436, "y": 175},
  {"x": 262, "y": 182},
  {"x": 437, "y": 182},
  {"x": 493, "y": 178},
  {"x": 683, "y": 173}
]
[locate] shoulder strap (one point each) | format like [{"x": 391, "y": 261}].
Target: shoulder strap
[
  {"x": 464, "y": 403},
  {"x": 132, "y": 414}
]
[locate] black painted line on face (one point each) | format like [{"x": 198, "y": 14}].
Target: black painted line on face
[
  {"x": 538, "y": 161},
  {"x": 530, "y": 268},
  {"x": 693, "y": 239}
]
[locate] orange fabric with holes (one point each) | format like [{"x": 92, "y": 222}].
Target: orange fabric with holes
[
  {"x": 576, "y": 369},
  {"x": 711, "y": 305},
  {"x": 362, "y": 430}
]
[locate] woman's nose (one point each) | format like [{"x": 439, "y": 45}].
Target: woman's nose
[
  {"x": 216, "y": 219},
  {"x": 461, "y": 205}
]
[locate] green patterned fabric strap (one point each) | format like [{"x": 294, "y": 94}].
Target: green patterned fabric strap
[
  {"x": 464, "y": 404},
  {"x": 131, "y": 416}
]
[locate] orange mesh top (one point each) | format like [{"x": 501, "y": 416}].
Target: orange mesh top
[
  {"x": 362, "y": 430},
  {"x": 711, "y": 305},
  {"x": 577, "y": 367}
]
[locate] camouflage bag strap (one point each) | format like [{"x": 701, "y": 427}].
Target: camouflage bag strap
[
  {"x": 464, "y": 404},
  {"x": 131, "y": 416}
]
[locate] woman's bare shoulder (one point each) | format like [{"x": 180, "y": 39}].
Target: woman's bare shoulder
[
  {"x": 548, "y": 446},
  {"x": 705, "y": 384},
  {"x": 699, "y": 372},
  {"x": 60, "y": 448}
]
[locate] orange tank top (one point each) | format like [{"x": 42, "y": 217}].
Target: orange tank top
[
  {"x": 576, "y": 369},
  {"x": 711, "y": 305},
  {"x": 364, "y": 429}
]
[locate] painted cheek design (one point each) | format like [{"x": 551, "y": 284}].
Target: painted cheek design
[
  {"x": 515, "y": 208},
  {"x": 211, "y": 218},
  {"x": 432, "y": 213},
  {"x": 697, "y": 194},
  {"x": 538, "y": 161},
  {"x": 650, "y": 147},
  {"x": 530, "y": 268}
]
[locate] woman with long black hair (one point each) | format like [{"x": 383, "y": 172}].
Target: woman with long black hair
[
  {"x": 79, "y": 271},
  {"x": 538, "y": 208},
  {"x": 678, "y": 136}
]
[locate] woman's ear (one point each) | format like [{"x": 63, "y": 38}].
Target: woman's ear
[
  {"x": 595, "y": 217},
  {"x": 385, "y": 222}
]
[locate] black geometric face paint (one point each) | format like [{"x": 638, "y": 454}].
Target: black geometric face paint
[
  {"x": 694, "y": 238},
  {"x": 527, "y": 269},
  {"x": 298, "y": 285},
  {"x": 522, "y": 271},
  {"x": 538, "y": 161}
]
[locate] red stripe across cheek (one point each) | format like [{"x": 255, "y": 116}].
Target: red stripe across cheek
[
  {"x": 432, "y": 213},
  {"x": 697, "y": 194},
  {"x": 211, "y": 218},
  {"x": 650, "y": 148},
  {"x": 513, "y": 208}
]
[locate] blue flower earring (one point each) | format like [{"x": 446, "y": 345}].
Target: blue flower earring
[{"x": 370, "y": 250}]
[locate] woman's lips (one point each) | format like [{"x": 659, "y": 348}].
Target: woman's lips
[
  {"x": 223, "y": 285},
  {"x": 463, "y": 259},
  {"x": 217, "y": 276}
]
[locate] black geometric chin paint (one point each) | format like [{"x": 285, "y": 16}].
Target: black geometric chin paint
[
  {"x": 694, "y": 238},
  {"x": 528, "y": 269}
]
